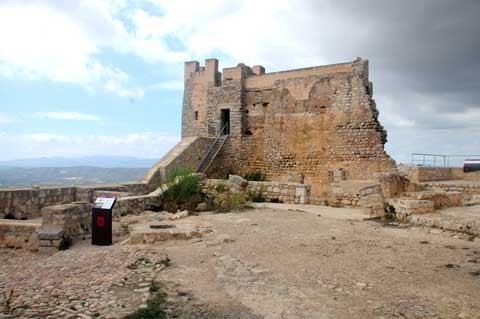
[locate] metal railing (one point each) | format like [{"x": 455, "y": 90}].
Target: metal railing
[
  {"x": 210, "y": 149},
  {"x": 439, "y": 160}
]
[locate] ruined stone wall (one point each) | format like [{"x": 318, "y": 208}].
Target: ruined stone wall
[{"x": 430, "y": 174}]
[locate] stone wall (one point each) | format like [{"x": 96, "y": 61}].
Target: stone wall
[
  {"x": 19, "y": 234},
  {"x": 309, "y": 121},
  {"x": 134, "y": 205},
  {"x": 429, "y": 174},
  {"x": 186, "y": 154},
  {"x": 87, "y": 193},
  {"x": 465, "y": 188},
  {"x": 290, "y": 193},
  {"x": 27, "y": 203},
  {"x": 404, "y": 208},
  {"x": 366, "y": 194},
  {"x": 74, "y": 218}
]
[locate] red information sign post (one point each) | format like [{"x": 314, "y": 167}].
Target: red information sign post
[{"x": 102, "y": 221}]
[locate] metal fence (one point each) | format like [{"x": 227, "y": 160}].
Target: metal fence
[{"x": 439, "y": 160}]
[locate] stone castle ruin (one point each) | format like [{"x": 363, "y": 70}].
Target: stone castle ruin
[
  {"x": 307, "y": 122},
  {"x": 313, "y": 132}
]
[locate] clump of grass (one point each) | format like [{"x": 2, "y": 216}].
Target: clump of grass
[
  {"x": 7, "y": 301},
  {"x": 255, "y": 177},
  {"x": 183, "y": 190},
  {"x": 228, "y": 201},
  {"x": 255, "y": 196}
]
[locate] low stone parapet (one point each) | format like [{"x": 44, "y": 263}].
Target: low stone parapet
[
  {"x": 134, "y": 205},
  {"x": 366, "y": 194},
  {"x": 26, "y": 203},
  {"x": 440, "y": 199},
  {"x": 404, "y": 208},
  {"x": 73, "y": 219},
  {"x": 290, "y": 193},
  {"x": 464, "y": 187},
  {"x": 19, "y": 234}
]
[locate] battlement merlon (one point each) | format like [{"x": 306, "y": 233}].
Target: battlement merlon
[{"x": 208, "y": 73}]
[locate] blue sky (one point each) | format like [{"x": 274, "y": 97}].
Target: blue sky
[{"x": 87, "y": 77}]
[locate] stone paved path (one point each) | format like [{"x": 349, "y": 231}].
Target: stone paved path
[{"x": 83, "y": 282}]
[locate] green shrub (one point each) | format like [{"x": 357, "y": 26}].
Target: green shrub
[
  {"x": 255, "y": 177},
  {"x": 183, "y": 190}
]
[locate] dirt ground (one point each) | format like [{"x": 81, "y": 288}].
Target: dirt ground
[{"x": 299, "y": 261}]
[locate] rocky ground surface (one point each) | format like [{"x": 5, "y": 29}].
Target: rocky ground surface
[{"x": 279, "y": 261}]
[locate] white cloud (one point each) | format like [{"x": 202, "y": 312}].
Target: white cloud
[
  {"x": 4, "y": 119},
  {"x": 41, "y": 41},
  {"x": 74, "y": 116},
  {"x": 139, "y": 144}
]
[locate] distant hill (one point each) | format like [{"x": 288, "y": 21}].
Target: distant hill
[
  {"x": 67, "y": 176},
  {"x": 93, "y": 161}
]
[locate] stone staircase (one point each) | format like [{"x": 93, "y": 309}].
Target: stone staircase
[{"x": 212, "y": 153}]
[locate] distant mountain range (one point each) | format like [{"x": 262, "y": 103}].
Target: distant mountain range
[
  {"x": 93, "y": 161},
  {"x": 60, "y": 171}
]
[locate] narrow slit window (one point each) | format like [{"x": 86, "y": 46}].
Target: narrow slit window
[{"x": 196, "y": 115}]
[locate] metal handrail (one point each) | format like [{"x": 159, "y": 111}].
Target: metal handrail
[
  {"x": 438, "y": 160},
  {"x": 220, "y": 133}
]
